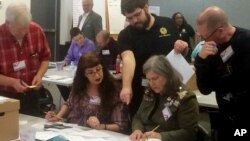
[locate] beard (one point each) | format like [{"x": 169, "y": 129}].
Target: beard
[{"x": 143, "y": 25}]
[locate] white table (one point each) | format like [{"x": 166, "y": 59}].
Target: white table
[
  {"x": 206, "y": 100},
  {"x": 36, "y": 123},
  {"x": 63, "y": 77}
]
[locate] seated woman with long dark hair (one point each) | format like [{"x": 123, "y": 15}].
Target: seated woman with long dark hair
[{"x": 94, "y": 100}]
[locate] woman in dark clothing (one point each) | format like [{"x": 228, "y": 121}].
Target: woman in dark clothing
[{"x": 185, "y": 31}]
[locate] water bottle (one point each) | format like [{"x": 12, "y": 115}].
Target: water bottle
[
  {"x": 118, "y": 64},
  {"x": 72, "y": 66}
]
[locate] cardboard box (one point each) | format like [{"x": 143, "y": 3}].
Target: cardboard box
[
  {"x": 192, "y": 83},
  {"x": 9, "y": 119}
]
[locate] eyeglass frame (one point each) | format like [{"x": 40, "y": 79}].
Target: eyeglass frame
[
  {"x": 92, "y": 73},
  {"x": 210, "y": 35}
]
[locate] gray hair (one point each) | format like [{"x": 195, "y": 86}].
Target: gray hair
[
  {"x": 160, "y": 65},
  {"x": 18, "y": 12}
]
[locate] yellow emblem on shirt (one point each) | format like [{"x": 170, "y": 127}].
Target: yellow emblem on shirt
[{"x": 163, "y": 31}]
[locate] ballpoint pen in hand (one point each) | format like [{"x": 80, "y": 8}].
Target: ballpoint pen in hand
[
  {"x": 55, "y": 116},
  {"x": 155, "y": 128}
]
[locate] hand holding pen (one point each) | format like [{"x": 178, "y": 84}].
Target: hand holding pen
[
  {"x": 51, "y": 116},
  {"x": 137, "y": 135},
  {"x": 152, "y": 134}
]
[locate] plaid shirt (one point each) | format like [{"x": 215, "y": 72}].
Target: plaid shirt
[{"x": 33, "y": 50}]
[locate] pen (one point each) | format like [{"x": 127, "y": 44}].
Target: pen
[
  {"x": 155, "y": 128},
  {"x": 55, "y": 116}
]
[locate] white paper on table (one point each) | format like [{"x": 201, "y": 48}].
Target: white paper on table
[
  {"x": 39, "y": 125},
  {"x": 46, "y": 135},
  {"x": 55, "y": 77},
  {"x": 27, "y": 134},
  {"x": 66, "y": 79},
  {"x": 181, "y": 65},
  {"x": 94, "y": 134}
]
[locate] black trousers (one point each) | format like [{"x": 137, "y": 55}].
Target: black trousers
[
  {"x": 29, "y": 101},
  {"x": 65, "y": 91}
]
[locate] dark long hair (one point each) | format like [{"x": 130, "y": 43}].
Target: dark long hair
[
  {"x": 184, "y": 20},
  {"x": 107, "y": 89}
]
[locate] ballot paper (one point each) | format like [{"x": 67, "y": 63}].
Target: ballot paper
[
  {"x": 181, "y": 65},
  {"x": 32, "y": 86},
  {"x": 46, "y": 135}
]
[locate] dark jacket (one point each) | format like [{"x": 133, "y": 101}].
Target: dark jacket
[
  {"x": 91, "y": 26},
  {"x": 181, "y": 126}
]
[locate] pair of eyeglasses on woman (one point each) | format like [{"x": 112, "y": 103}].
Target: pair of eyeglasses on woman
[{"x": 92, "y": 72}]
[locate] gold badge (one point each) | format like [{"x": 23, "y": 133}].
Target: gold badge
[{"x": 163, "y": 31}]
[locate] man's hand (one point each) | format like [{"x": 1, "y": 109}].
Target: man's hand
[
  {"x": 19, "y": 85},
  {"x": 126, "y": 95},
  {"x": 37, "y": 81},
  {"x": 209, "y": 48},
  {"x": 181, "y": 47}
]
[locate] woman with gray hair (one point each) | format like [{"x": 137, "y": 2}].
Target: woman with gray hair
[{"x": 168, "y": 111}]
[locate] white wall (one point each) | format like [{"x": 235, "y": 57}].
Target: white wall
[
  {"x": 66, "y": 17},
  {"x": 5, "y": 4}
]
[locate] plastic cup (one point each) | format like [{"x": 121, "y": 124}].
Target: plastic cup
[{"x": 59, "y": 66}]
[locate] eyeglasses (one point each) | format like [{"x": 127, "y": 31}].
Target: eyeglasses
[
  {"x": 94, "y": 71},
  {"x": 210, "y": 35},
  {"x": 136, "y": 15}
]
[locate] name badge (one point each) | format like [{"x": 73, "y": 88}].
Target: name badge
[
  {"x": 144, "y": 82},
  {"x": 105, "y": 52},
  {"x": 19, "y": 65},
  {"x": 226, "y": 54},
  {"x": 166, "y": 113},
  {"x": 95, "y": 100}
]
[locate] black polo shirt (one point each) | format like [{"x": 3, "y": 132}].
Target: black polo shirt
[
  {"x": 109, "y": 53},
  {"x": 186, "y": 32},
  {"x": 145, "y": 43}
]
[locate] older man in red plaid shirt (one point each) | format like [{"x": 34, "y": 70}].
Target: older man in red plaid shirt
[{"x": 25, "y": 56}]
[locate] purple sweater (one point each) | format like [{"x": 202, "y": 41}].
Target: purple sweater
[{"x": 75, "y": 52}]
